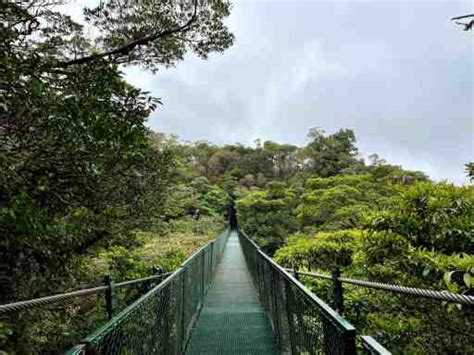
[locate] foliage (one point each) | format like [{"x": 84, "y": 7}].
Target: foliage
[
  {"x": 198, "y": 194},
  {"x": 87, "y": 190},
  {"x": 154, "y": 33},
  {"x": 326, "y": 206},
  {"x": 267, "y": 215},
  {"x": 75, "y": 157},
  {"x": 79, "y": 170},
  {"x": 377, "y": 222},
  {"x": 321, "y": 251},
  {"x": 330, "y": 155},
  {"x": 470, "y": 171},
  {"x": 420, "y": 236},
  {"x": 438, "y": 217}
]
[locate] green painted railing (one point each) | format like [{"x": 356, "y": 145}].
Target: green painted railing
[
  {"x": 371, "y": 346},
  {"x": 160, "y": 321},
  {"x": 302, "y": 322}
]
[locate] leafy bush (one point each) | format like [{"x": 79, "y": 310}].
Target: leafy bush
[
  {"x": 438, "y": 217},
  {"x": 339, "y": 201},
  {"x": 268, "y": 215},
  {"x": 320, "y": 251}
]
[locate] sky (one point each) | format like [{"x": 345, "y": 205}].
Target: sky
[{"x": 400, "y": 74}]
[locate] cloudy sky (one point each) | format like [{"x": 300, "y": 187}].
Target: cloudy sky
[{"x": 399, "y": 73}]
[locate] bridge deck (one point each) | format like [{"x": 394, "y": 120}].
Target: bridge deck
[{"x": 232, "y": 320}]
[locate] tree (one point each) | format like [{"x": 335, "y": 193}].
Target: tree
[
  {"x": 438, "y": 217},
  {"x": 339, "y": 201},
  {"x": 467, "y": 21},
  {"x": 283, "y": 159},
  {"x": 222, "y": 162},
  {"x": 375, "y": 160},
  {"x": 268, "y": 215},
  {"x": 470, "y": 171},
  {"x": 149, "y": 33},
  {"x": 329, "y": 155},
  {"x": 75, "y": 154},
  {"x": 79, "y": 171}
]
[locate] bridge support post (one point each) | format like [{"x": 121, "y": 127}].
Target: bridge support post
[
  {"x": 203, "y": 276},
  {"x": 183, "y": 314},
  {"x": 289, "y": 300},
  {"x": 337, "y": 290},
  {"x": 110, "y": 296}
]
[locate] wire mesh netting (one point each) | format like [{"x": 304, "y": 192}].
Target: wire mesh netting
[
  {"x": 232, "y": 321},
  {"x": 402, "y": 323},
  {"x": 160, "y": 321},
  {"x": 303, "y": 324}
]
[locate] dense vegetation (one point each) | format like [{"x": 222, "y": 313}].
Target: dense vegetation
[
  {"x": 87, "y": 190},
  {"x": 84, "y": 185},
  {"x": 375, "y": 222}
]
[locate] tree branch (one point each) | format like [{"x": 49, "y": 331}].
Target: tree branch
[
  {"x": 127, "y": 48},
  {"x": 461, "y": 17}
]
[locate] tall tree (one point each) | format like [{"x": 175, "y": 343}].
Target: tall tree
[
  {"x": 470, "y": 171},
  {"x": 75, "y": 158},
  {"x": 328, "y": 155}
]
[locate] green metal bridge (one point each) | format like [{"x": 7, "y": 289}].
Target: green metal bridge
[
  {"x": 228, "y": 298},
  {"x": 232, "y": 320}
]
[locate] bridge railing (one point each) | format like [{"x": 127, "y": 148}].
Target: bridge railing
[
  {"x": 445, "y": 296},
  {"x": 160, "y": 321},
  {"x": 302, "y": 322},
  {"x": 61, "y": 297},
  {"x": 440, "y": 314}
]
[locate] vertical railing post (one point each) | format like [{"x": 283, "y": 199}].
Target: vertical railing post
[
  {"x": 183, "y": 316},
  {"x": 275, "y": 288},
  {"x": 289, "y": 315},
  {"x": 296, "y": 275},
  {"x": 203, "y": 270},
  {"x": 110, "y": 295},
  {"x": 337, "y": 290},
  {"x": 212, "y": 260}
]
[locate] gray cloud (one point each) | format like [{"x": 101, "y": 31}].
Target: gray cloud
[{"x": 399, "y": 73}]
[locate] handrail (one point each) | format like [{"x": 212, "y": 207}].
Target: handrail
[
  {"x": 338, "y": 335},
  {"x": 41, "y": 301},
  {"x": 340, "y": 321},
  {"x": 414, "y": 291},
  {"x": 302, "y": 322},
  {"x": 160, "y": 320},
  {"x": 373, "y": 346},
  {"x": 124, "y": 313},
  {"x": 143, "y": 279},
  {"x": 22, "y": 305}
]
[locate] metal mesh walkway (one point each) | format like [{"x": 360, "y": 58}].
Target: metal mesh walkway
[{"x": 232, "y": 320}]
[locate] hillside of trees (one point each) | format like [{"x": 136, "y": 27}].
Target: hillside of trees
[
  {"x": 320, "y": 205},
  {"x": 87, "y": 190},
  {"x": 310, "y": 207}
]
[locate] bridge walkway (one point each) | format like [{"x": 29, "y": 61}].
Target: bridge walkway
[{"x": 232, "y": 320}]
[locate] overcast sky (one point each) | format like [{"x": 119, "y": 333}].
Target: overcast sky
[{"x": 399, "y": 73}]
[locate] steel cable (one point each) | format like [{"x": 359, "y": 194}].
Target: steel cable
[
  {"x": 420, "y": 292},
  {"x": 22, "y": 305}
]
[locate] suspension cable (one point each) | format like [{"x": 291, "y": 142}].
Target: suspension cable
[
  {"x": 420, "y": 292},
  {"x": 22, "y": 305}
]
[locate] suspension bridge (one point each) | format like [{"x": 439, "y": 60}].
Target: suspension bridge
[{"x": 230, "y": 298}]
